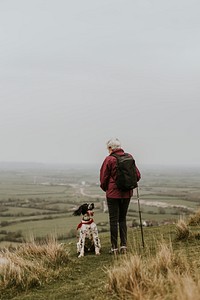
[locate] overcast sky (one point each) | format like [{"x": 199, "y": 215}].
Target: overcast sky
[{"x": 73, "y": 74}]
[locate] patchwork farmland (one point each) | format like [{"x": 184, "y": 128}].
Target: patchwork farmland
[{"x": 38, "y": 200}]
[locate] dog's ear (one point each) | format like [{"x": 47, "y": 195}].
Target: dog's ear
[
  {"x": 81, "y": 210},
  {"x": 84, "y": 208},
  {"x": 78, "y": 211}
]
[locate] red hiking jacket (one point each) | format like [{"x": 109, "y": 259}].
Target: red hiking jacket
[{"x": 108, "y": 177}]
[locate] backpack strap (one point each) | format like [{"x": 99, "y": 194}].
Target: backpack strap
[{"x": 116, "y": 155}]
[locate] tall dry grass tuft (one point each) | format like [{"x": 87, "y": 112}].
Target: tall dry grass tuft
[
  {"x": 159, "y": 277},
  {"x": 182, "y": 230},
  {"x": 166, "y": 261},
  {"x": 31, "y": 264},
  {"x": 21, "y": 273},
  {"x": 187, "y": 287},
  {"x": 194, "y": 219},
  {"x": 129, "y": 276},
  {"x": 50, "y": 251}
]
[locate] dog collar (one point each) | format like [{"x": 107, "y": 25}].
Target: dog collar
[{"x": 85, "y": 222}]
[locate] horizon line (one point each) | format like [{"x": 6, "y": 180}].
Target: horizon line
[{"x": 96, "y": 164}]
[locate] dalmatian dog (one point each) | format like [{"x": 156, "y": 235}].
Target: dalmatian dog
[{"x": 88, "y": 234}]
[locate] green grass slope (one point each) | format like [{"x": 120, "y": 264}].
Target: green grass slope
[{"x": 87, "y": 277}]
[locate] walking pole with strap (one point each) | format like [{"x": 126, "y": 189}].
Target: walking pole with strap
[{"x": 138, "y": 199}]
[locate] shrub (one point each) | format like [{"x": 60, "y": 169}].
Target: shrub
[
  {"x": 4, "y": 223},
  {"x": 161, "y": 211}
]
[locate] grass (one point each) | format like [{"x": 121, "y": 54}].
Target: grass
[
  {"x": 182, "y": 230},
  {"x": 30, "y": 265},
  {"x": 194, "y": 219},
  {"x": 71, "y": 282},
  {"x": 163, "y": 262},
  {"x": 170, "y": 270},
  {"x": 160, "y": 277}
]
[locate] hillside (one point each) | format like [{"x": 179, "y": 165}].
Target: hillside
[
  {"x": 90, "y": 277},
  {"x": 35, "y": 203}
]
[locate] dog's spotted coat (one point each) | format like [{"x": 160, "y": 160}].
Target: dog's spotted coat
[{"x": 87, "y": 230}]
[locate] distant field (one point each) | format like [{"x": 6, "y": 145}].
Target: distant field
[
  {"x": 60, "y": 225},
  {"x": 41, "y": 201}
]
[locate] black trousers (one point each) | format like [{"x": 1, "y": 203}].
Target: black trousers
[{"x": 117, "y": 209}]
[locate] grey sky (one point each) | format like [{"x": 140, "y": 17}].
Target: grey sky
[{"x": 75, "y": 73}]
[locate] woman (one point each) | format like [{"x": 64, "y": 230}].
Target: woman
[{"x": 117, "y": 200}]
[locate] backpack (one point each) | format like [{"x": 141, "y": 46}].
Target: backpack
[{"x": 126, "y": 172}]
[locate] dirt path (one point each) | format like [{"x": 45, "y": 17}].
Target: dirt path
[{"x": 83, "y": 193}]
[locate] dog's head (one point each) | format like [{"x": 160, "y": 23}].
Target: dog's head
[{"x": 84, "y": 209}]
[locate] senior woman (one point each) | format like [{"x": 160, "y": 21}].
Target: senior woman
[{"x": 117, "y": 200}]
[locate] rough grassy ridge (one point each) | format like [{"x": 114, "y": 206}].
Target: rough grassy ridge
[
  {"x": 87, "y": 278},
  {"x": 83, "y": 278}
]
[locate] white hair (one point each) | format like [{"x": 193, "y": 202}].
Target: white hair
[{"x": 113, "y": 143}]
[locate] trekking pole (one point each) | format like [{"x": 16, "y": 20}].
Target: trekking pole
[{"x": 138, "y": 198}]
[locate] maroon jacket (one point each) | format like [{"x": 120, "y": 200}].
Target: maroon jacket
[{"x": 108, "y": 176}]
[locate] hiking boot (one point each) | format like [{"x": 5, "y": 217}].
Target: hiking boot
[
  {"x": 123, "y": 250},
  {"x": 113, "y": 251}
]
